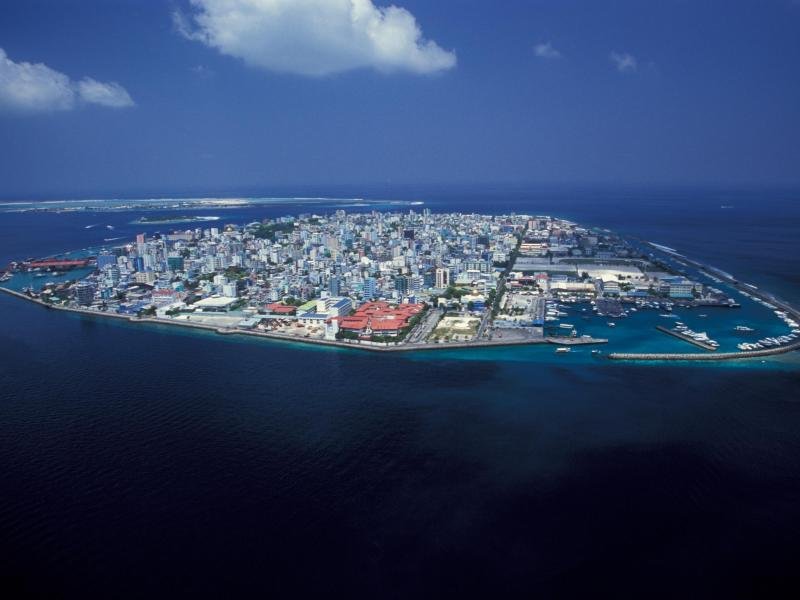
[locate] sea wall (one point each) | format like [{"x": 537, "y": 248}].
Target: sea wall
[{"x": 367, "y": 346}]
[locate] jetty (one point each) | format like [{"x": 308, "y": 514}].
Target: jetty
[{"x": 686, "y": 338}]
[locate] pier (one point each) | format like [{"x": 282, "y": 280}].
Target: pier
[{"x": 686, "y": 338}]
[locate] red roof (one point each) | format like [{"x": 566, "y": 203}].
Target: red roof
[
  {"x": 388, "y": 324},
  {"x": 380, "y": 316},
  {"x": 356, "y": 323},
  {"x": 281, "y": 309}
]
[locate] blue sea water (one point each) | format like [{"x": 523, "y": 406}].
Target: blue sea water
[{"x": 139, "y": 461}]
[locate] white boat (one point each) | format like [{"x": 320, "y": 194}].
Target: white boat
[
  {"x": 612, "y": 324},
  {"x": 563, "y": 349},
  {"x": 566, "y": 326}
]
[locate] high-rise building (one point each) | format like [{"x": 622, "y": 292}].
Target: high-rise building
[
  {"x": 442, "y": 278},
  {"x": 229, "y": 290},
  {"x": 175, "y": 262},
  {"x": 106, "y": 260},
  {"x": 370, "y": 288},
  {"x": 401, "y": 284},
  {"x": 335, "y": 285},
  {"x": 84, "y": 293}
]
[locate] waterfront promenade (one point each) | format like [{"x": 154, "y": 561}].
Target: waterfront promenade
[{"x": 368, "y": 346}]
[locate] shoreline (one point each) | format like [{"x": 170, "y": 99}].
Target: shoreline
[
  {"x": 417, "y": 347},
  {"x": 738, "y": 285},
  {"x": 368, "y": 346}
]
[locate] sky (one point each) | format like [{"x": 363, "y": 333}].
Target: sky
[{"x": 127, "y": 97}]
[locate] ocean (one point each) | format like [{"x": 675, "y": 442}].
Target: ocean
[{"x": 141, "y": 461}]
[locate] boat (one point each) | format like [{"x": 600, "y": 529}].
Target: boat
[
  {"x": 566, "y": 326},
  {"x": 612, "y": 324},
  {"x": 563, "y": 350}
]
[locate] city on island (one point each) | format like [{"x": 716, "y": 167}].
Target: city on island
[{"x": 393, "y": 280}]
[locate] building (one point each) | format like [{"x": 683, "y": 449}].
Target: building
[
  {"x": 370, "y": 288},
  {"x": 379, "y": 318},
  {"x": 442, "y": 278},
  {"x": 147, "y": 277},
  {"x": 175, "y": 262},
  {"x": 106, "y": 260},
  {"x": 401, "y": 284},
  {"x": 215, "y": 304},
  {"x": 335, "y": 286},
  {"x": 84, "y": 293}
]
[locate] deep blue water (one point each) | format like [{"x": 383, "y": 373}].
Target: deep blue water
[{"x": 146, "y": 461}]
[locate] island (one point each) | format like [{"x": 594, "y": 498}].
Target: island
[
  {"x": 173, "y": 220},
  {"x": 418, "y": 280}
]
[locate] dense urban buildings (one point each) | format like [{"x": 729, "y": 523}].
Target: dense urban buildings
[{"x": 388, "y": 278}]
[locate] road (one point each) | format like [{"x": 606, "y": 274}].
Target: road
[{"x": 424, "y": 328}]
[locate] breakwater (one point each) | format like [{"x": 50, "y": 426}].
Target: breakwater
[
  {"x": 742, "y": 287},
  {"x": 720, "y": 356}
]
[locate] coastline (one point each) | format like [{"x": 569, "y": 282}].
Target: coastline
[
  {"x": 423, "y": 347},
  {"x": 742, "y": 287},
  {"x": 366, "y": 346}
]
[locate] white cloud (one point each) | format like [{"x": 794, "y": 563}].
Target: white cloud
[
  {"x": 624, "y": 62},
  {"x": 546, "y": 50},
  {"x": 105, "y": 94},
  {"x": 314, "y": 37},
  {"x": 27, "y": 87}
]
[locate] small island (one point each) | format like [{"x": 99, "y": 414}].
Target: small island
[
  {"x": 170, "y": 220},
  {"x": 400, "y": 281}
]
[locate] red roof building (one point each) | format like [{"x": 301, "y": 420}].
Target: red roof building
[
  {"x": 279, "y": 308},
  {"x": 379, "y": 317}
]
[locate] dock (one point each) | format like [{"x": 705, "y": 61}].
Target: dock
[{"x": 686, "y": 338}]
